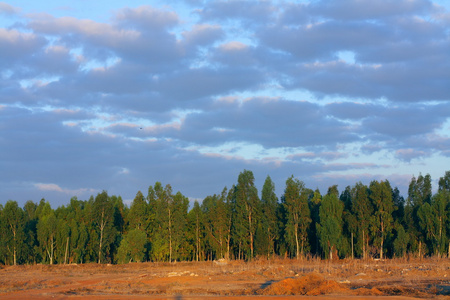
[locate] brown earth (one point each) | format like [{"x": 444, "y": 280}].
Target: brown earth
[{"x": 259, "y": 279}]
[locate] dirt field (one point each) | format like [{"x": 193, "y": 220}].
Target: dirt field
[{"x": 260, "y": 279}]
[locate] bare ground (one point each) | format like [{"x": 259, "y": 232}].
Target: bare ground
[{"x": 260, "y": 279}]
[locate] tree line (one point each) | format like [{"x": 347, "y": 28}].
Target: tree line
[{"x": 238, "y": 223}]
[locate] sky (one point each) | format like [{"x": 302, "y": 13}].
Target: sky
[{"x": 117, "y": 95}]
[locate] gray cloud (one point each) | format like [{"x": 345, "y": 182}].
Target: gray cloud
[{"x": 319, "y": 90}]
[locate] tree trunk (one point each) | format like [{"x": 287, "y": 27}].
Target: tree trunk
[
  {"x": 52, "y": 251},
  {"x": 170, "y": 237},
  {"x": 364, "y": 244},
  {"x": 198, "y": 239},
  {"x": 102, "y": 227},
  {"x": 381, "y": 249},
  {"x": 382, "y": 240},
  {"x": 352, "y": 248},
  {"x": 14, "y": 250},
  {"x": 296, "y": 242},
  {"x": 67, "y": 248},
  {"x": 420, "y": 249},
  {"x": 251, "y": 234}
]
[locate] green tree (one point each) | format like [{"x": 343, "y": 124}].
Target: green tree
[
  {"x": 314, "y": 205},
  {"x": 432, "y": 220},
  {"x": 178, "y": 210},
  {"x": 215, "y": 217},
  {"x": 444, "y": 192},
  {"x": 138, "y": 214},
  {"x": 103, "y": 213},
  {"x": 269, "y": 205},
  {"x": 380, "y": 194},
  {"x": 14, "y": 220},
  {"x": 132, "y": 246},
  {"x": 196, "y": 230},
  {"x": 63, "y": 234},
  {"x": 362, "y": 210},
  {"x": 46, "y": 232},
  {"x": 31, "y": 243},
  {"x": 350, "y": 225},
  {"x": 295, "y": 200},
  {"x": 169, "y": 225},
  {"x": 330, "y": 226},
  {"x": 401, "y": 241},
  {"x": 248, "y": 207},
  {"x": 444, "y": 182}
]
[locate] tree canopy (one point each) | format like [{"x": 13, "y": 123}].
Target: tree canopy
[{"x": 237, "y": 223}]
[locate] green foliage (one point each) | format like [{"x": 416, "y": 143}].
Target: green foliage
[
  {"x": 362, "y": 221},
  {"x": 102, "y": 216},
  {"x": 132, "y": 247},
  {"x": 330, "y": 227},
  {"x": 362, "y": 210},
  {"x": 214, "y": 214},
  {"x": 14, "y": 219},
  {"x": 268, "y": 229},
  {"x": 295, "y": 200},
  {"x": 401, "y": 242},
  {"x": 169, "y": 224},
  {"x": 380, "y": 195},
  {"x": 138, "y": 214},
  {"x": 248, "y": 209}
]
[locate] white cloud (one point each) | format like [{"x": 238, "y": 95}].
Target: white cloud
[{"x": 52, "y": 187}]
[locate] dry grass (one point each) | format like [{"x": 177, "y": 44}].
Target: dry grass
[{"x": 307, "y": 276}]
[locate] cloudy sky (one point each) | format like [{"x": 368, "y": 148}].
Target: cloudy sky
[{"x": 116, "y": 95}]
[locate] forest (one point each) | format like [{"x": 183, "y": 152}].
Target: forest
[{"x": 361, "y": 221}]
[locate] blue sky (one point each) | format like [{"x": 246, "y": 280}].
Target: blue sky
[{"x": 112, "y": 95}]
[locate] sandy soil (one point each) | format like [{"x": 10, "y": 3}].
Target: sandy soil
[{"x": 260, "y": 279}]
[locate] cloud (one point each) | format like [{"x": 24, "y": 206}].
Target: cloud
[
  {"x": 363, "y": 10},
  {"x": 409, "y": 154},
  {"x": 8, "y": 10},
  {"x": 219, "y": 86},
  {"x": 56, "y": 188}
]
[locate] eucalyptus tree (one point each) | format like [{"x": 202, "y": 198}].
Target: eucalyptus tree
[
  {"x": 63, "y": 234},
  {"x": 432, "y": 220},
  {"x": 362, "y": 210},
  {"x": 196, "y": 230},
  {"x": 330, "y": 225},
  {"x": 215, "y": 220},
  {"x": 3, "y": 228},
  {"x": 229, "y": 208},
  {"x": 14, "y": 219},
  {"x": 350, "y": 225},
  {"x": 444, "y": 182},
  {"x": 314, "y": 205},
  {"x": 444, "y": 190},
  {"x": 138, "y": 214},
  {"x": 178, "y": 210},
  {"x": 30, "y": 231},
  {"x": 169, "y": 224},
  {"x": 401, "y": 241},
  {"x": 79, "y": 237},
  {"x": 295, "y": 200},
  {"x": 419, "y": 192},
  {"x": 132, "y": 246},
  {"x": 380, "y": 195},
  {"x": 158, "y": 198},
  {"x": 269, "y": 206},
  {"x": 102, "y": 213},
  {"x": 47, "y": 228},
  {"x": 248, "y": 207}
]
